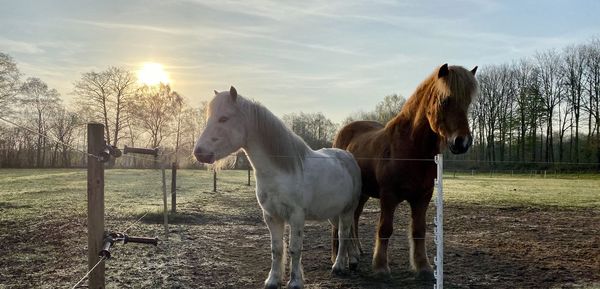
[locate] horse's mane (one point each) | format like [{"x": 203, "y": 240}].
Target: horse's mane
[
  {"x": 458, "y": 84},
  {"x": 285, "y": 149}
]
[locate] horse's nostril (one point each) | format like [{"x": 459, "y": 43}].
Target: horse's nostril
[
  {"x": 214, "y": 139},
  {"x": 459, "y": 141}
]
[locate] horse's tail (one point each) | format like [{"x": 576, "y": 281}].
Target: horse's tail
[
  {"x": 355, "y": 239},
  {"x": 358, "y": 192}
]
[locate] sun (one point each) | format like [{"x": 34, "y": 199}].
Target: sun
[{"x": 152, "y": 73}]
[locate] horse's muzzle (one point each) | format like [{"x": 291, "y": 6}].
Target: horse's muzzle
[
  {"x": 460, "y": 144},
  {"x": 204, "y": 156}
]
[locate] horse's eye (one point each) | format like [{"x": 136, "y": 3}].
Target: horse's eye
[
  {"x": 445, "y": 101},
  {"x": 223, "y": 119}
]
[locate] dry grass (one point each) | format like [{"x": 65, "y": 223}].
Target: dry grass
[{"x": 43, "y": 227}]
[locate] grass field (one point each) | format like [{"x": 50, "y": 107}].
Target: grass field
[{"x": 501, "y": 232}]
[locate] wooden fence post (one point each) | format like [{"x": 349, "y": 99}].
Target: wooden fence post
[
  {"x": 214, "y": 180},
  {"x": 248, "y": 176},
  {"x": 174, "y": 188},
  {"x": 95, "y": 204}
]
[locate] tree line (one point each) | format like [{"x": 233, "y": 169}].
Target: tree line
[
  {"x": 538, "y": 112},
  {"x": 44, "y": 132}
]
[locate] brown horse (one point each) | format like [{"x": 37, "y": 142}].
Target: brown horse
[{"x": 393, "y": 157}]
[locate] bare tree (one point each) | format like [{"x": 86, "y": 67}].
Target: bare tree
[
  {"x": 389, "y": 107},
  {"x": 9, "y": 82},
  {"x": 64, "y": 124},
  {"x": 592, "y": 89},
  {"x": 526, "y": 89},
  {"x": 495, "y": 85},
  {"x": 155, "y": 108},
  {"x": 551, "y": 92},
  {"x": 193, "y": 122},
  {"x": 42, "y": 101},
  {"x": 573, "y": 68},
  {"x": 315, "y": 128},
  {"x": 122, "y": 84},
  {"x": 105, "y": 97},
  {"x": 384, "y": 111}
]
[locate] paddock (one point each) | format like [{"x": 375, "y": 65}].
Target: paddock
[{"x": 503, "y": 232}]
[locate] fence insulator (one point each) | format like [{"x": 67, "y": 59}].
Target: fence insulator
[
  {"x": 144, "y": 151},
  {"x": 108, "y": 151},
  {"x": 111, "y": 238}
]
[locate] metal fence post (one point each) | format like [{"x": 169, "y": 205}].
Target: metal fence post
[
  {"x": 174, "y": 188},
  {"x": 439, "y": 224},
  {"x": 164, "y": 189}
]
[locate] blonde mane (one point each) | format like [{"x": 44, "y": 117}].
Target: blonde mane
[
  {"x": 285, "y": 149},
  {"x": 460, "y": 85}
]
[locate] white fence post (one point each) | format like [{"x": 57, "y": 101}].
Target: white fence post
[
  {"x": 164, "y": 190},
  {"x": 439, "y": 224}
]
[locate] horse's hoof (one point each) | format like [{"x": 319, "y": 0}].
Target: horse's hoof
[
  {"x": 382, "y": 273},
  {"x": 353, "y": 266},
  {"x": 272, "y": 285},
  {"x": 338, "y": 272},
  {"x": 424, "y": 275},
  {"x": 294, "y": 285}
]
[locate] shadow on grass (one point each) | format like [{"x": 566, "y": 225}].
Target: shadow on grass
[
  {"x": 7, "y": 205},
  {"x": 197, "y": 218},
  {"x": 175, "y": 218}
]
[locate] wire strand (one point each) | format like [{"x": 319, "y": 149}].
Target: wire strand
[
  {"x": 88, "y": 273},
  {"x": 134, "y": 223},
  {"x": 51, "y": 138}
]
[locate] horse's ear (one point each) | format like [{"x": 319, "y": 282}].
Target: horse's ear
[
  {"x": 474, "y": 70},
  {"x": 216, "y": 92},
  {"x": 443, "y": 70},
  {"x": 233, "y": 93}
]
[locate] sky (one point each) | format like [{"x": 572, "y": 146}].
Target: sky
[{"x": 335, "y": 57}]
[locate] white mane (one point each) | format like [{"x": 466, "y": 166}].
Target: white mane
[{"x": 285, "y": 149}]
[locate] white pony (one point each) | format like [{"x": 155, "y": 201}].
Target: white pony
[{"x": 293, "y": 182}]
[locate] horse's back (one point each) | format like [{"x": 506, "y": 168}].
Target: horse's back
[
  {"x": 355, "y": 130},
  {"x": 366, "y": 140},
  {"x": 345, "y": 159},
  {"x": 331, "y": 183}
]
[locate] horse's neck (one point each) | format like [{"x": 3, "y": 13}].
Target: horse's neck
[
  {"x": 267, "y": 161},
  {"x": 258, "y": 157},
  {"x": 422, "y": 138}
]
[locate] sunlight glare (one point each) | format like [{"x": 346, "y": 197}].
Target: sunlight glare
[{"x": 152, "y": 73}]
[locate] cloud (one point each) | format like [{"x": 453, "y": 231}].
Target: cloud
[
  {"x": 121, "y": 26},
  {"x": 14, "y": 46},
  {"x": 204, "y": 32}
]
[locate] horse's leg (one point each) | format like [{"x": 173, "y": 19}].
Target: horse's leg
[
  {"x": 418, "y": 253},
  {"x": 334, "y": 229},
  {"x": 276, "y": 227},
  {"x": 334, "y": 238},
  {"x": 296, "y": 222},
  {"x": 384, "y": 231},
  {"x": 361, "y": 205},
  {"x": 345, "y": 233}
]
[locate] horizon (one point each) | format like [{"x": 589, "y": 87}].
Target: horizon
[{"x": 292, "y": 57}]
